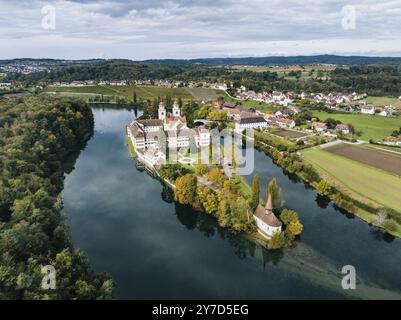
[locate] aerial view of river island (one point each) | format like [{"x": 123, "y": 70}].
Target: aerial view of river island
[{"x": 177, "y": 152}]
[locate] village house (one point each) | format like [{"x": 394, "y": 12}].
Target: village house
[
  {"x": 387, "y": 111},
  {"x": 342, "y": 128},
  {"x": 266, "y": 221},
  {"x": 319, "y": 126},
  {"x": 280, "y": 121},
  {"x": 368, "y": 109}
]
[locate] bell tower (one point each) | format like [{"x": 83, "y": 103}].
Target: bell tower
[
  {"x": 176, "y": 109},
  {"x": 162, "y": 111}
]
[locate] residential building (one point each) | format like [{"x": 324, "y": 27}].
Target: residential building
[
  {"x": 344, "y": 129},
  {"x": 319, "y": 126},
  {"x": 368, "y": 109}
]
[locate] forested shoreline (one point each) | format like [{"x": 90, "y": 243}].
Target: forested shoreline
[{"x": 39, "y": 137}]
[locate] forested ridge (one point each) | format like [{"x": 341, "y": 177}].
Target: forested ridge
[{"x": 38, "y": 138}]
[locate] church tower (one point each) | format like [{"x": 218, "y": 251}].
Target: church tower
[
  {"x": 176, "y": 109},
  {"x": 162, "y": 111}
]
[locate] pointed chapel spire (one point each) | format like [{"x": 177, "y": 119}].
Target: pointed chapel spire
[{"x": 269, "y": 203}]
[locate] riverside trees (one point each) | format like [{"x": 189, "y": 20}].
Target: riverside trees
[{"x": 37, "y": 135}]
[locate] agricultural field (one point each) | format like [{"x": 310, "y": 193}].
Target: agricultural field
[
  {"x": 142, "y": 92},
  {"x": 391, "y": 149},
  {"x": 205, "y": 93},
  {"x": 290, "y": 134},
  {"x": 362, "y": 182},
  {"x": 383, "y": 160},
  {"x": 82, "y": 90},
  {"x": 372, "y": 127},
  {"x": 383, "y": 101}
]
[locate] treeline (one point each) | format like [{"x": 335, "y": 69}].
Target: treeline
[
  {"x": 374, "y": 80},
  {"x": 38, "y": 135},
  {"x": 379, "y": 80}
]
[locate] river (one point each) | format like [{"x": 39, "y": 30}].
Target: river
[{"x": 127, "y": 224}]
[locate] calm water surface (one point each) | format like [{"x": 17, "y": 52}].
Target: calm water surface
[{"x": 126, "y": 223}]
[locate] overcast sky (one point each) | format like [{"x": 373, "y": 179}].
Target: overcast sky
[{"x": 195, "y": 29}]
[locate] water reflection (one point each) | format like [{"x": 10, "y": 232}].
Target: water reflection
[{"x": 128, "y": 225}]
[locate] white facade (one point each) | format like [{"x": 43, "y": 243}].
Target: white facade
[
  {"x": 265, "y": 228},
  {"x": 240, "y": 127},
  {"x": 368, "y": 110}
]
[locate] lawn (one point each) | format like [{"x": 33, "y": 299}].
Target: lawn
[
  {"x": 362, "y": 182},
  {"x": 372, "y": 127},
  {"x": 257, "y": 105}
]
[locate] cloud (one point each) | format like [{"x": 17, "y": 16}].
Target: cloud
[{"x": 189, "y": 28}]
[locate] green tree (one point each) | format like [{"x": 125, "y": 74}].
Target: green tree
[
  {"x": 295, "y": 227},
  {"x": 277, "y": 240},
  {"x": 255, "y": 191},
  {"x": 287, "y": 216},
  {"x": 324, "y": 188},
  {"x": 211, "y": 204},
  {"x": 275, "y": 192},
  {"x": 201, "y": 169},
  {"x": 185, "y": 191}
]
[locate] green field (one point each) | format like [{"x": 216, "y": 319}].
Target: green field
[
  {"x": 372, "y": 127},
  {"x": 205, "y": 93},
  {"x": 258, "y": 105},
  {"x": 142, "y": 92},
  {"x": 383, "y": 101},
  {"x": 83, "y": 90},
  {"x": 362, "y": 182}
]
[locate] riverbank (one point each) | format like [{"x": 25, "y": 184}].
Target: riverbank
[
  {"x": 312, "y": 178},
  {"x": 128, "y": 225}
]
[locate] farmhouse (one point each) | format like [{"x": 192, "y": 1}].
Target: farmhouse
[
  {"x": 250, "y": 123},
  {"x": 266, "y": 221}
]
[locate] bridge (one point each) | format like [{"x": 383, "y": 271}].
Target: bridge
[{"x": 204, "y": 121}]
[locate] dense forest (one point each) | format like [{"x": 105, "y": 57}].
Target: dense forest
[
  {"x": 40, "y": 139},
  {"x": 379, "y": 80}
]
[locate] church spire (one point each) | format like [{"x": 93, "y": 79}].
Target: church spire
[{"x": 269, "y": 204}]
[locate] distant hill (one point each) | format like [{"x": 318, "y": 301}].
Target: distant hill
[
  {"x": 294, "y": 60},
  {"x": 247, "y": 61}
]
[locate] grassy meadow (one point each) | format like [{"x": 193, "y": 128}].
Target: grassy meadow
[{"x": 372, "y": 127}]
